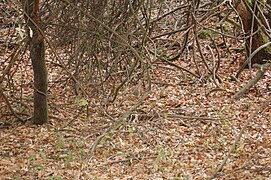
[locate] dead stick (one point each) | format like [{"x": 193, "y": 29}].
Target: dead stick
[
  {"x": 10, "y": 107},
  {"x": 237, "y": 139},
  {"x": 119, "y": 122},
  {"x": 252, "y": 82}
]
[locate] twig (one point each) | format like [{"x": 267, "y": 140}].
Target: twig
[
  {"x": 169, "y": 115},
  {"x": 13, "y": 57},
  {"x": 218, "y": 89},
  {"x": 117, "y": 124},
  {"x": 251, "y": 56},
  {"x": 181, "y": 68},
  {"x": 237, "y": 139},
  {"x": 193, "y": 117},
  {"x": 132, "y": 159},
  {"x": 10, "y": 107},
  {"x": 252, "y": 82}
]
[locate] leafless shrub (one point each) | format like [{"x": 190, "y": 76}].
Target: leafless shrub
[{"x": 110, "y": 44}]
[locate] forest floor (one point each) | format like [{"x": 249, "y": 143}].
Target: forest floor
[{"x": 183, "y": 130}]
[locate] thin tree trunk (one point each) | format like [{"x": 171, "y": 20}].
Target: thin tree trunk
[
  {"x": 37, "y": 55},
  {"x": 251, "y": 14}
]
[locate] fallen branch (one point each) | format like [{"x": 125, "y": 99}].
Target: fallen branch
[
  {"x": 218, "y": 89},
  {"x": 173, "y": 64},
  {"x": 237, "y": 139},
  {"x": 193, "y": 117},
  {"x": 10, "y": 107},
  {"x": 132, "y": 159},
  {"x": 119, "y": 122},
  {"x": 252, "y": 82},
  {"x": 170, "y": 115}
]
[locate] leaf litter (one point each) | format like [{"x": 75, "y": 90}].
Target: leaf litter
[{"x": 183, "y": 130}]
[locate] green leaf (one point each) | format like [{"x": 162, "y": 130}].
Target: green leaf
[{"x": 81, "y": 102}]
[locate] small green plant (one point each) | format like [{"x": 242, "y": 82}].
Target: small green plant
[
  {"x": 70, "y": 156},
  {"x": 225, "y": 122},
  {"x": 105, "y": 138},
  {"x": 162, "y": 153},
  {"x": 131, "y": 131},
  {"x": 38, "y": 166},
  {"x": 105, "y": 167},
  {"x": 31, "y": 157},
  {"x": 56, "y": 178},
  {"x": 82, "y": 154},
  {"x": 81, "y": 102},
  {"x": 84, "y": 105},
  {"x": 60, "y": 145},
  {"x": 204, "y": 34},
  {"x": 206, "y": 143},
  {"x": 60, "y": 141}
]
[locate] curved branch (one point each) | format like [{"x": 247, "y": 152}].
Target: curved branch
[
  {"x": 10, "y": 107},
  {"x": 252, "y": 82}
]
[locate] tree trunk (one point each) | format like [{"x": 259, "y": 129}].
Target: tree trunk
[
  {"x": 37, "y": 55},
  {"x": 255, "y": 28}
]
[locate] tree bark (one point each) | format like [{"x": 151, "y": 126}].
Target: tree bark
[
  {"x": 255, "y": 22},
  {"x": 37, "y": 55}
]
